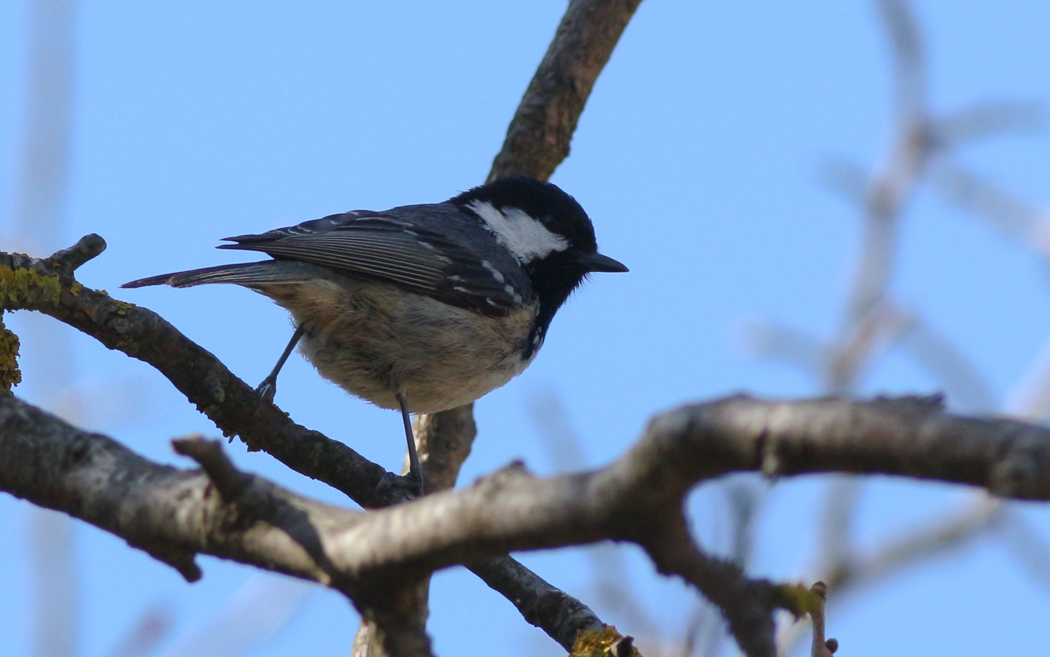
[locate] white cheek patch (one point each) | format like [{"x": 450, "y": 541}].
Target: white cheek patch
[{"x": 522, "y": 235}]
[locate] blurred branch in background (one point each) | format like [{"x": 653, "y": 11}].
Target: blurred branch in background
[
  {"x": 911, "y": 548},
  {"x": 56, "y": 594},
  {"x": 854, "y": 572},
  {"x": 990, "y": 202},
  {"x": 920, "y": 139},
  {"x": 871, "y": 321},
  {"x": 1027, "y": 547},
  {"x": 956, "y": 375},
  {"x": 761, "y": 338},
  {"x": 1030, "y": 399},
  {"x": 148, "y": 632},
  {"x": 993, "y": 118},
  {"x": 908, "y": 57},
  {"x": 252, "y": 616},
  {"x": 38, "y": 226},
  {"x": 44, "y": 168},
  {"x": 888, "y": 189}
]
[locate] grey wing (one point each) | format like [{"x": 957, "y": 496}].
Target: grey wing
[{"x": 392, "y": 250}]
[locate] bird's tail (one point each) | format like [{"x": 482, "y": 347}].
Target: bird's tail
[{"x": 246, "y": 273}]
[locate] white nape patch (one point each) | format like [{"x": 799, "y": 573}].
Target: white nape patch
[{"x": 526, "y": 238}]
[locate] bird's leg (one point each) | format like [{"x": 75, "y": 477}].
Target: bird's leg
[
  {"x": 415, "y": 473},
  {"x": 268, "y": 388}
]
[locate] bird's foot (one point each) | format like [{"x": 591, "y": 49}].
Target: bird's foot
[
  {"x": 406, "y": 487},
  {"x": 266, "y": 390}
]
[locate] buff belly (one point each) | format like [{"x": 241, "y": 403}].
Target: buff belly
[{"x": 375, "y": 341}]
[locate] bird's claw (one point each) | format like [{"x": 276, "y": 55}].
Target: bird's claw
[{"x": 266, "y": 391}]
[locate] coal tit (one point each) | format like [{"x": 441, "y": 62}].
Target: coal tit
[{"x": 421, "y": 308}]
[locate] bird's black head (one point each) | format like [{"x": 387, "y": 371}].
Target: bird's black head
[{"x": 547, "y": 232}]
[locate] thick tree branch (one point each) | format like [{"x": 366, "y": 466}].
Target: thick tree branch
[
  {"x": 376, "y": 559},
  {"x": 747, "y": 604},
  {"x": 905, "y": 436},
  {"x": 174, "y": 514}
]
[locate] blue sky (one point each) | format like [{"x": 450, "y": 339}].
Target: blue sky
[{"x": 698, "y": 159}]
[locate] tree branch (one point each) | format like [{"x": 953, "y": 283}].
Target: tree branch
[
  {"x": 48, "y": 286},
  {"x": 904, "y": 436},
  {"x": 375, "y": 557},
  {"x": 552, "y": 610},
  {"x": 539, "y": 135}
]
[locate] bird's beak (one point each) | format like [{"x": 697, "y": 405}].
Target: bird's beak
[{"x": 599, "y": 262}]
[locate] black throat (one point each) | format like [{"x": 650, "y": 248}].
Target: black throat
[{"x": 553, "y": 279}]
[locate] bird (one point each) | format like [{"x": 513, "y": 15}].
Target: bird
[{"x": 420, "y": 308}]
